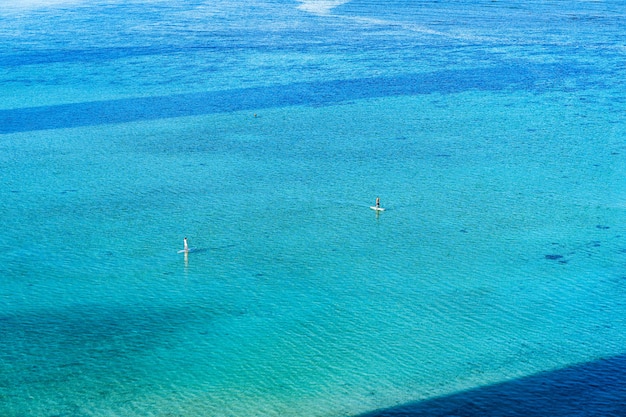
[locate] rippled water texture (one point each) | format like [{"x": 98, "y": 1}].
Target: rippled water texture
[{"x": 492, "y": 284}]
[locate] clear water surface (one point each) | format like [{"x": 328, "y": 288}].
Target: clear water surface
[{"x": 263, "y": 130}]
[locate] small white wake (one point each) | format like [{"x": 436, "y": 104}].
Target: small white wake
[
  {"x": 325, "y": 7},
  {"x": 320, "y": 7}
]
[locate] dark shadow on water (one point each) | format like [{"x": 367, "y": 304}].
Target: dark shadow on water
[
  {"x": 529, "y": 77},
  {"x": 591, "y": 389}
]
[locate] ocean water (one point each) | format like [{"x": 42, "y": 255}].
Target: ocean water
[{"x": 493, "y": 133}]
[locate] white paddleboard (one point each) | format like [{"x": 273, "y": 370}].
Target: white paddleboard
[
  {"x": 377, "y": 208},
  {"x": 188, "y": 251}
]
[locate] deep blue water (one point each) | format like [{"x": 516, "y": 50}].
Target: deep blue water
[{"x": 492, "y": 284}]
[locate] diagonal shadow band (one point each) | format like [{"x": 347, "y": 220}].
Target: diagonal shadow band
[
  {"x": 596, "y": 388},
  {"x": 529, "y": 77}
]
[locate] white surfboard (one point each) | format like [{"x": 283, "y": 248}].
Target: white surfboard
[{"x": 377, "y": 208}]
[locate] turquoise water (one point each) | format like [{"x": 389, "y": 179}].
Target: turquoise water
[{"x": 263, "y": 131}]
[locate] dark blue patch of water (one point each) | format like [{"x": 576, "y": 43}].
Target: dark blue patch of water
[
  {"x": 595, "y": 388},
  {"x": 529, "y": 77}
]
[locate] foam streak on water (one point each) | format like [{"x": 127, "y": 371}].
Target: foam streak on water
[{"x": 263, "y": 131}]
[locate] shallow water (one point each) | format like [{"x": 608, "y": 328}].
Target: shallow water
[{"x": 263, "y": 132}]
